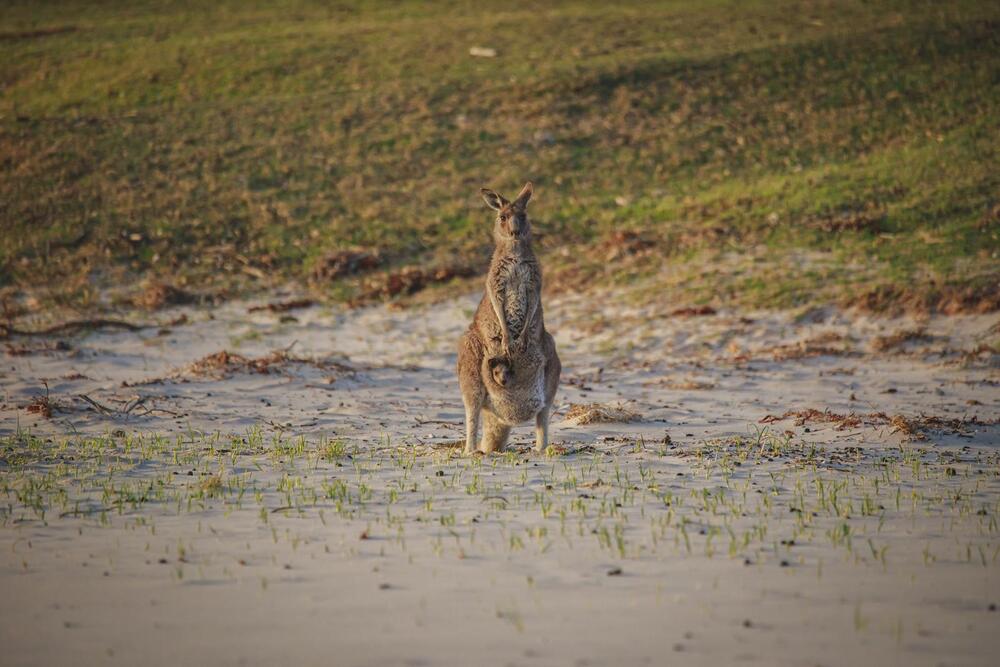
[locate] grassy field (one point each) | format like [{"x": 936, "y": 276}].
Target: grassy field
[{"x": 770, "y": 153}]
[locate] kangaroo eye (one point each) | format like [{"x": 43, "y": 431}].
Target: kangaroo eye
[{"x": 504, "y": 218}]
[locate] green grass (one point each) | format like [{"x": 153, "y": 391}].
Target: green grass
[
  {"x": 208, "y": 144},
  {"x": 739, "y": 498}
]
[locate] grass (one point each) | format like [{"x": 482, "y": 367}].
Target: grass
[
  {"x": 760, "y": 499},
  {"x": 775, "y": 153}
]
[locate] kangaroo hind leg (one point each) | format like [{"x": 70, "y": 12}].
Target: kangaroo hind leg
[{"x": 495, "y": 434}]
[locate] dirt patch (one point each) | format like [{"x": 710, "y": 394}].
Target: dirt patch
[
  {"x": 899, "y": 339},
  {"x": 707, "y": 236},
  {"x": 36, "y": 34},
  {"x": 817, "y": 346},
  {"x": 917, "y": 428},
  {"x": 73, "y": 326},
  {"x": 912, "y": 428},
  {"x": 983, "y": 353},
  {"x": 991, "y": 217},
  {"x": 160, "y": 295},
  {"x": 15, "y": 350},
  {"x": 409, "y": 280},
  {"x": 222, "y": 364},
  {"x": 693, "y": 311},
  {"x": 282, "y": 306},
  {"x": 41, "y": 405},
  {"x": 849, "y": 221},
  {"x": 803, "y": 417},
  {"x": 346, "y": 263},
  {"x": 596, "y": 413},
  {"x": 688, "y": 384},
  {"x": 10, "y": 309},
  {"x": 623, "y": 243},
  {"x": 924, "y": 299}
]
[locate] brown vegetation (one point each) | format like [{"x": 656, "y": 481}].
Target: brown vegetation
[
  {"x": 693, "y": 311},
  {"x": 224, "y": 363},
  {"x": 344, "y": 263},
  {"x": 912, "y": 428},
  {"x": 282, "y": 306},
  {"x": 157, "y": 295},
  {"x": 623, "y": 243},
  {"x": 817, "y": 346},
  {"x": 945, "y": 299},
  {"x": 409, "y": 280},
  {"x": 899, "y": 339},
  {"x": 40, "y": 405},
  {"x": 851, "y": 221},
  {"x": 596, "y": 413}
]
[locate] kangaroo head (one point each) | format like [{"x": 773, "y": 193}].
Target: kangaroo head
[
  {"x": 501, "y": 371},
  {"x": 512, "y": 216}
]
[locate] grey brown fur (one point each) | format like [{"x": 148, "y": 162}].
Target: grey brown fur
[{"x": 508, "y": 369}]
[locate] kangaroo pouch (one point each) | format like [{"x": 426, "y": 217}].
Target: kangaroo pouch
[{"x": 523, "y": 396}]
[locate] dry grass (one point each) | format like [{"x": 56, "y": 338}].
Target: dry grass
[
  {"x": 688, "y": 384},
  {"x": 597, "y": 413},
  {"x": 693, "y": 311},
  {"x": 899, "y": 339},
  {"x": 26, "y": 349},
  {"x": 41, "y": 405},
  {"x": 817, "y": 346},
  {"x": 621, "y": 244},
  {"x": 919, "y": 298},
  {"x": 157, "y": 295},
  {"x": 411, "y": 279},
  {"x": 282, "y": 306},
  {"x": 811, "y": 415},
  {"x": 211, "y": 486},
  {"x": 911, "y": 428},
  {"x": 852, "y": 221},
  {"x": 348, "y": 262},
  {"x": 223, "y": 364}
]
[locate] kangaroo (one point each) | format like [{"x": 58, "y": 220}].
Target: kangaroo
[
  {"x": 500, "y": 371},
  {"x": 508, "y": 369}
]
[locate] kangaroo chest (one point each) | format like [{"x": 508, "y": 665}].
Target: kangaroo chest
[{"x": 519, "y": 288}]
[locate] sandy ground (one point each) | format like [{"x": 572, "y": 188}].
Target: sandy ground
[{"x": 308, "y": 506}]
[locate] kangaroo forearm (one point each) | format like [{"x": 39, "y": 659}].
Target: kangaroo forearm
[
  {"x": 497, "y": 304},
  {"x": 532, "y": 310}
]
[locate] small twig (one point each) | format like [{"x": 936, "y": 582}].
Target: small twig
[
  {"x": 100, "y": 408},
  {"x": 149, "y": 411},
  {"x": 421, "y": 422},
  {"x": 505, "y": 501},
  {"x": 129, "y": 407},
  {"x": 7, "y": 330}
]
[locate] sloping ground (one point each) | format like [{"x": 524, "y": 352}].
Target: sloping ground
[{"x": 230, "y": 145}]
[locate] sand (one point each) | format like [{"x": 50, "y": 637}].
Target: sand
[{"x": 723, "y": 522}]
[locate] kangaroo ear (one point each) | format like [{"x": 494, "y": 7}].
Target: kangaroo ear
[
  {"x": 494, "y": 200},
  {"x": 524, "y": 196}
]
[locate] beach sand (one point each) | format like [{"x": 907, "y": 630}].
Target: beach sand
[{"x": 804, "y": 488}]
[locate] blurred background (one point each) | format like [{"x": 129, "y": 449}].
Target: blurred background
[{"x": 769, "y": 153}]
